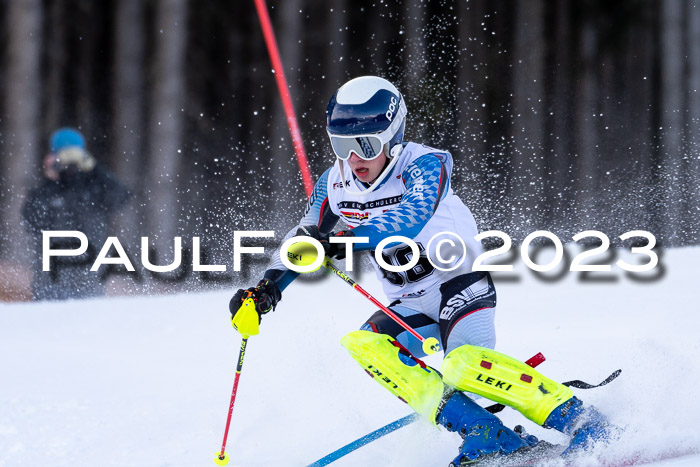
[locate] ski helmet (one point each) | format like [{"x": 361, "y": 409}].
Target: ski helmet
[{"x": 365, "y": 116}]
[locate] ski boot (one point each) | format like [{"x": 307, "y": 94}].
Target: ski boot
[
  {"x": 484, "y": 434},
  {"x": 586, "y": 426}
]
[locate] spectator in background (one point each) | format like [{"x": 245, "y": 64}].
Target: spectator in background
[{"x": 76, "y": 193}]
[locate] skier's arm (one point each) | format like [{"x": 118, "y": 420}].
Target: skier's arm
[
  {"x": 317, "y": 213},
  {"x": 277, "y": 277},
  {"x": 427, "y": 183}
]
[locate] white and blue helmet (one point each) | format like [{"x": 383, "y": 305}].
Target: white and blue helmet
[{"x": 366, "y": 116}]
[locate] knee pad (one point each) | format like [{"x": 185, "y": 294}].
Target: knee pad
[
  {"x": 392, "y": 366},
  {"x": 503, "y": 379}
]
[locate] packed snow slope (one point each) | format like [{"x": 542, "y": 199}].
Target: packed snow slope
[{"x": 146, "y": 381}]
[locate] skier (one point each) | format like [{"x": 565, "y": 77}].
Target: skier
[{"x": 379, "y": 187}]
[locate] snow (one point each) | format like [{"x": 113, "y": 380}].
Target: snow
[{"x": 147, "y": 381}]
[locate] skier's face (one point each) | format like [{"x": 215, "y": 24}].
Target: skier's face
[{"x": 367, "y": 171}]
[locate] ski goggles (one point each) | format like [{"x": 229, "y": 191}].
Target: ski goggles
[
  {"x": 366, "y": 147},
  {"x": 369, "y": 146}
]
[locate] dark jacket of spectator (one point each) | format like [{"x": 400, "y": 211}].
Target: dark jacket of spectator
[{"x": 74, "y": 195}]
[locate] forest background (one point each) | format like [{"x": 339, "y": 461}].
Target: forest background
[{"x": 564, "y": 116}]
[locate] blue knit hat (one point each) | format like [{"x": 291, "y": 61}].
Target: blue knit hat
[{"x": 66, "y": 137}]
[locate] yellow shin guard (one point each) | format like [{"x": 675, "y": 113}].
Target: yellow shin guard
[
  {"x": 397, "y": 370},
  {"x": 503, "y": 379}
]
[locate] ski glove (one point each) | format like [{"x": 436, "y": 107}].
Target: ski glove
[
  {"x": 266, "y": 295},
  {"x": 333, "y": 250}
]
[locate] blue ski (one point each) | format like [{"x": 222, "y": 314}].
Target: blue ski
[
  {"x": 358, "y": 443},
  {"x": 378, "y": 433}
]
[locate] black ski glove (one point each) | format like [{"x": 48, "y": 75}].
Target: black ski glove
[
  {"x": 333, "y": 250},
  {"x": 266, "y": 295}
]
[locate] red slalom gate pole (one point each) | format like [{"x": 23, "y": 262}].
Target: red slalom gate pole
[{"x": 277, "y": 68}]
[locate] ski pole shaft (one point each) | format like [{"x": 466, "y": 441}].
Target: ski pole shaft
[
  {"x": 221, "y": 455},
  {"x": 430, "y": 345}
]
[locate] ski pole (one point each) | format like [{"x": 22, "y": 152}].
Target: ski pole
[
  {"x": 430, "y": 345},
  {"x": 246, "y": 322}
]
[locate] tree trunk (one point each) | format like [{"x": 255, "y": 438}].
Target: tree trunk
[
  {"x": 692, "y": 219},
  {"x": 413, "y": 83},
  {"x": 528, "y": 183},
  {"x": 585, "y": 135},
  {"x": 336, "y": 51},
  {"x": 166, "y": 123},
  {"x": 21, "y": 163},
  {"x": 672, "y": 109},
  {"x": 284, "y": 168},
  {"x": 55, "y": 81},
  {"x": 128, "y": 126},
  {"x": 560, "y": 120}
]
